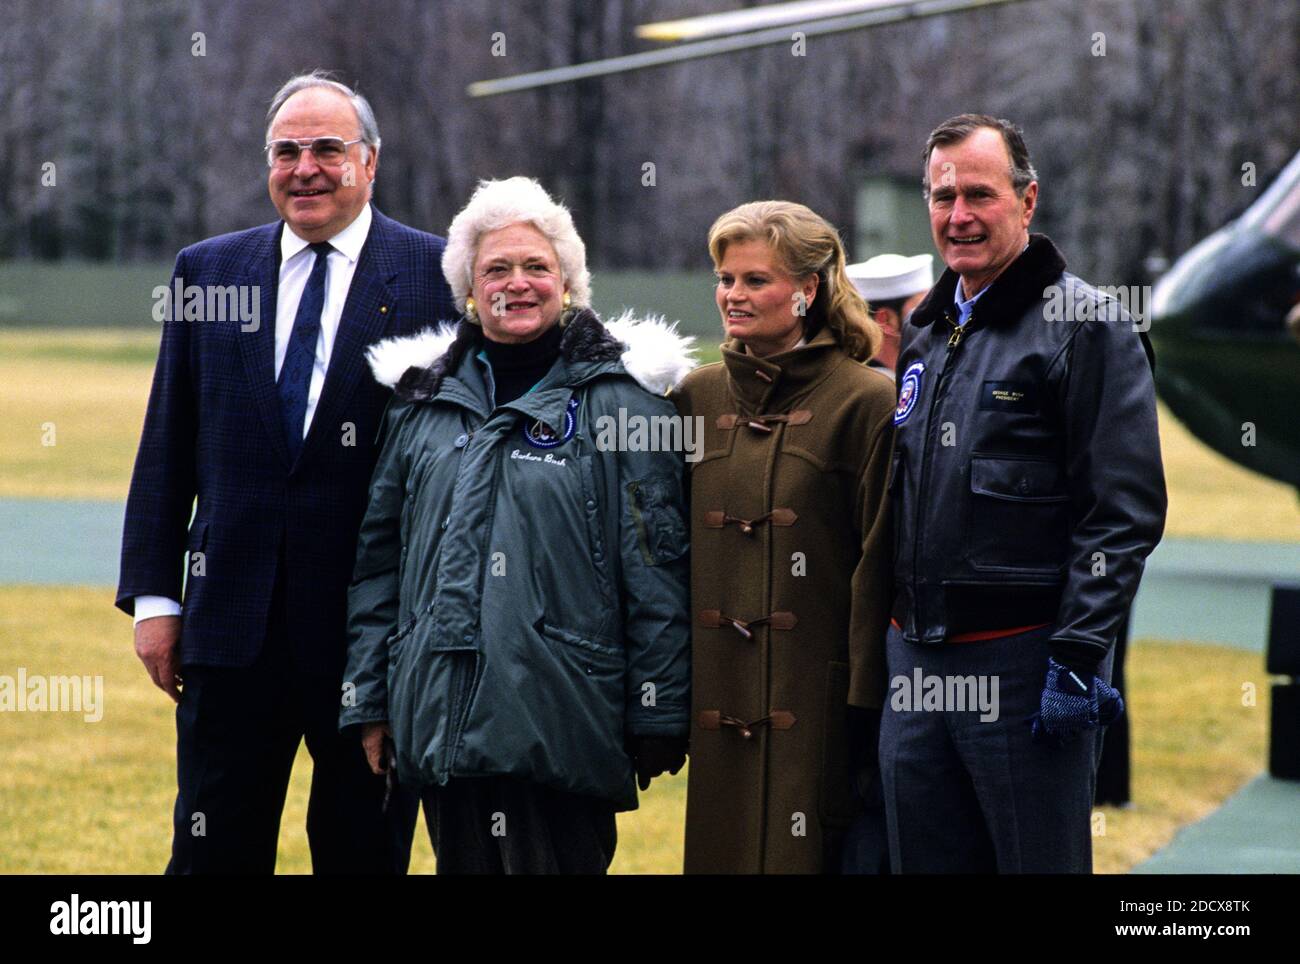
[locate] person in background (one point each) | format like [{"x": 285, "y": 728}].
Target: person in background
[{"x": 892, "y": 285}]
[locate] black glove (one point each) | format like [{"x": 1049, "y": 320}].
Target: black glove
[
  {"x": 1073, "y": 702},
  {"x": 655, "y": 755},
  {"x": 863, "y": 746}
]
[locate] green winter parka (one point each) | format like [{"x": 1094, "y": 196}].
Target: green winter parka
[{"x": 519, "y": 604}]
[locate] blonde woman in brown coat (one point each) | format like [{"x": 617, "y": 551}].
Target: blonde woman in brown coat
[{"x": 791, "y": 546}]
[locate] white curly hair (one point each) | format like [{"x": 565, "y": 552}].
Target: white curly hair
[{"x": 499, "y": 204}]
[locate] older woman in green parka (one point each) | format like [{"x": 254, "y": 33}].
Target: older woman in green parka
[{"x": 518, "y": 615}]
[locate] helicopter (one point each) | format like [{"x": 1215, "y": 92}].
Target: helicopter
[
  {"x": 1226, "y": 328},
  {"x": 1225, "y": 318}
]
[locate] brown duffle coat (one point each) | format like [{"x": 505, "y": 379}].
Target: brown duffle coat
[{"x": 791, "y": 555}]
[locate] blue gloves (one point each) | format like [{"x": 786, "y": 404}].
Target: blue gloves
[{"x": 1072, "y": 703}]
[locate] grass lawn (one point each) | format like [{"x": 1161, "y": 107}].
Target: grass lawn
[
  {"x": 86, "y": 392},
  {"x": 83, "y": 797}
]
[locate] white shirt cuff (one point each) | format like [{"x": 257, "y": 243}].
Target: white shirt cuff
[{"x": 147, "y": 607}]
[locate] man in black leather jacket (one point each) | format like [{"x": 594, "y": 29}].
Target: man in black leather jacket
[{"x": 1028, "y": 493}]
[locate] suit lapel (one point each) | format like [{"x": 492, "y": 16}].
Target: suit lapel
[
  {"x": 367, "y": 313},
  {"x": 258, "y": 347}
]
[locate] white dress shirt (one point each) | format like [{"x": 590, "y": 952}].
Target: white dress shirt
[{"x": 296, "y": 261}]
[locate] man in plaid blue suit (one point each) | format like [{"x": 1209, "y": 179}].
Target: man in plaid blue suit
[{"x": 269, "y": 420}]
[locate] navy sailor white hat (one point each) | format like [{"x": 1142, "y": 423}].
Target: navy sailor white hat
[{"x": 888, "y": 276}]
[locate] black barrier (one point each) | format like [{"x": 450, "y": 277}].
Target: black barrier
[{"x": 1284, "y": 660}]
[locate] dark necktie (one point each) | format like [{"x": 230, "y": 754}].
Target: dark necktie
[{"x": 300, "y": 356}]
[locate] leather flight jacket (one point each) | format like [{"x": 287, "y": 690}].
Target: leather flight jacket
[{"x": 1026, "y": 479}]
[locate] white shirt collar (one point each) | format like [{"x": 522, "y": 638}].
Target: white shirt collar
[
  {"x": 347, "y": 242},
  {"x": 799, "y": 344}
]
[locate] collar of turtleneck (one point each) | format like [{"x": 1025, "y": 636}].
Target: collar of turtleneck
[
  {"x": 546, "y": 345},
  {"x": 518, "y": 367}
]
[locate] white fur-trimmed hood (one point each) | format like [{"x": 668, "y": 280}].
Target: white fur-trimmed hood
[
  {"x": 655, "y": 353},
  {"x": 389, "y": 359},
  {"x": 657, "y": 356}
]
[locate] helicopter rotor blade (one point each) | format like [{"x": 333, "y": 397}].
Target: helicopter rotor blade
[
  {"x": 715, "y": 46},
  {"x": 758, "y": 18}
]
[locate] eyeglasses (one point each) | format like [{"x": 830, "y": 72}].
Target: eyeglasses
[{"x": 328, "y": 151}]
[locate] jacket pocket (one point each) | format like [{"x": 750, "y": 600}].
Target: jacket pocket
[
  {"x": 400, "y": 709},
  {"x": 403, "y": 630},
  {"x": 597, "y": 551},
  {"x": 219, "y": 569},
  {"x": 657, "y": 514},
  {"x": 1019, "y": 515},
  {"x": 838, "y": 804},
  {"x": 429, "y": 692},
  {"x": 581, "y": 696}
]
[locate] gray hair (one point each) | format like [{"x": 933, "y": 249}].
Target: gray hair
[
  {"x": 323, "y": 78},
  {"x": 499, "y": 204},
  {"x": 956, "y": 129}
]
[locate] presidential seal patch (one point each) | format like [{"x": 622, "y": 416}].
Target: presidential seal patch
[
  {"x": 909, "y": 390},
  {"x": 541, "y": 436}
]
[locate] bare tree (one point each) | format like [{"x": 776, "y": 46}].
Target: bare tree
[{"x": 156, "y": 136}]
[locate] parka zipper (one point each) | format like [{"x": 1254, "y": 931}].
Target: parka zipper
[
  {"x": 954, "y": 340},
  {"x": 465, "y": 671},
  {"x": 463, "y": 678}
]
